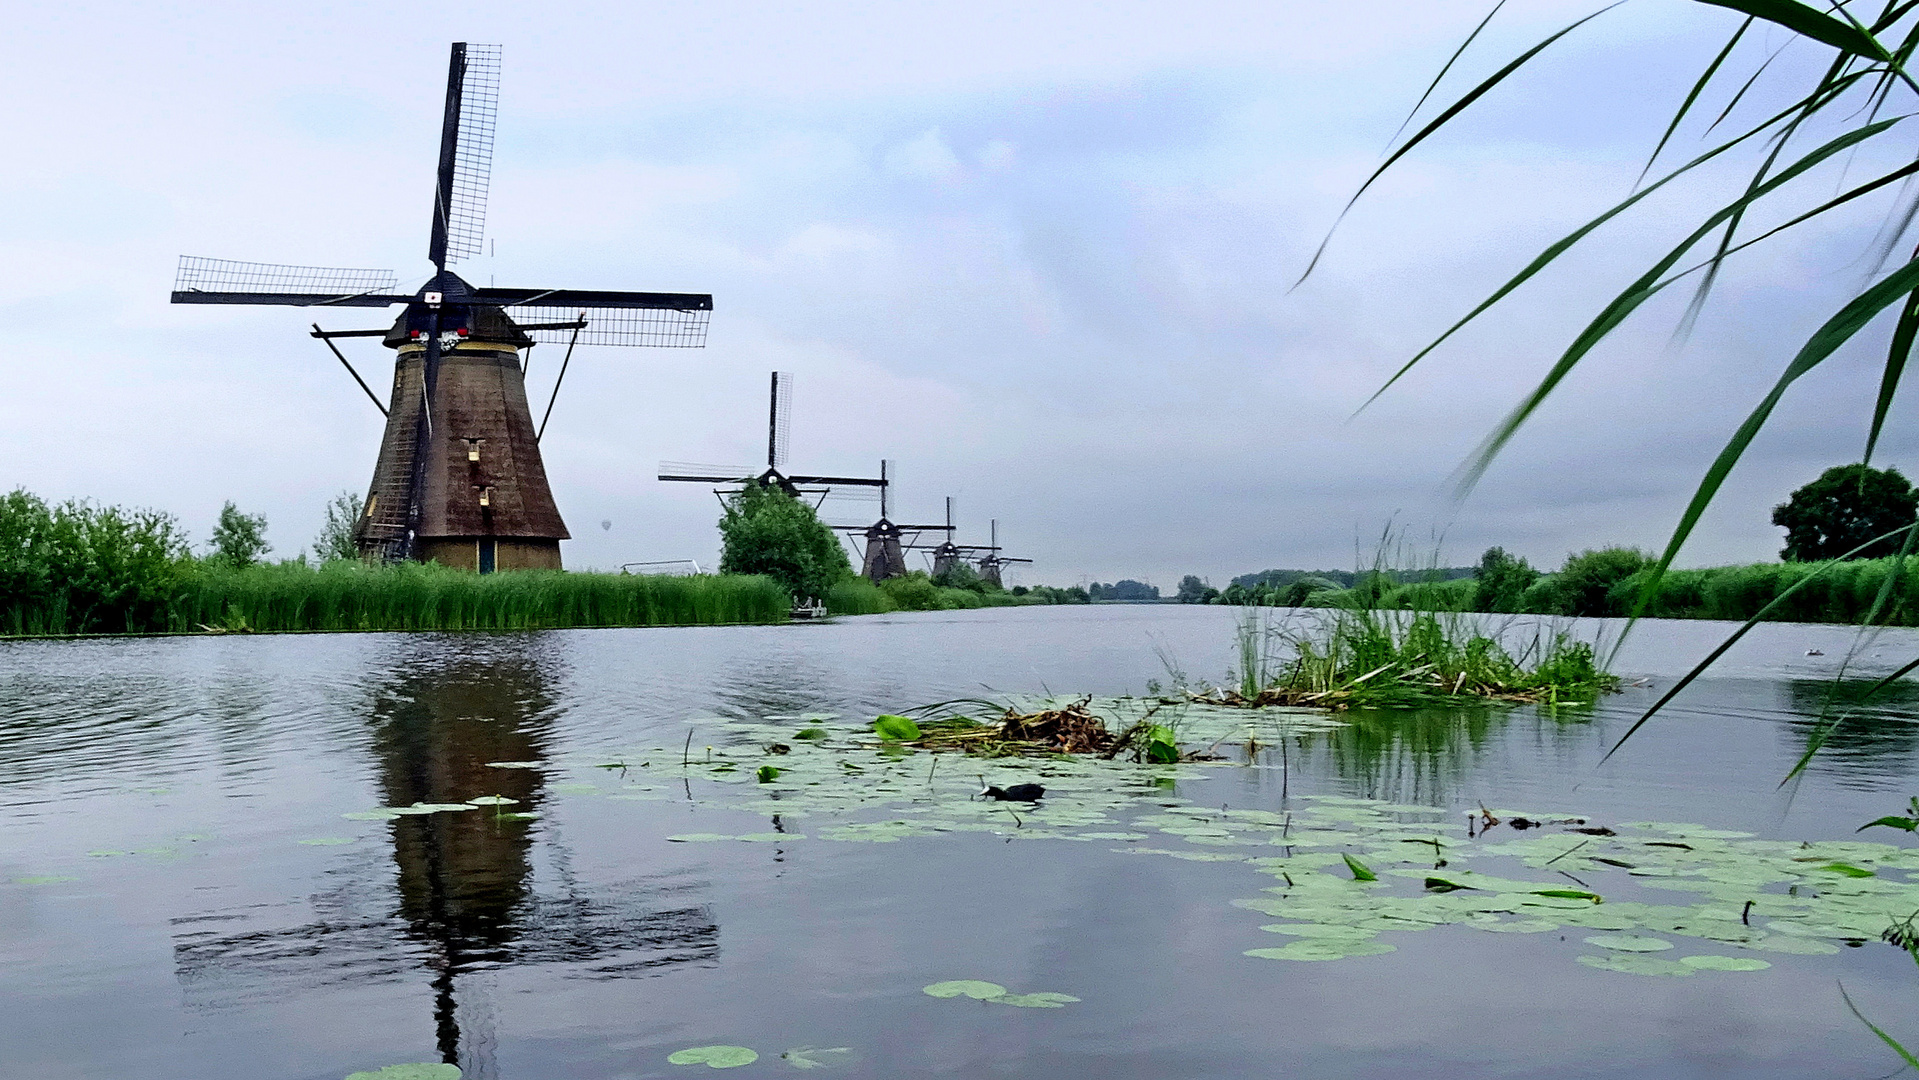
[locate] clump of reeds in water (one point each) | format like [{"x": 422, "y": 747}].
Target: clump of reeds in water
[
  {"x": 995, "y": 730},
  {"x": 1341, "y": 658},
  {"x": 416, "y": 596}
]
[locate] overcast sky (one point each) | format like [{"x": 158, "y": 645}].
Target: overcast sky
[{"x": 1039, "y": 255}]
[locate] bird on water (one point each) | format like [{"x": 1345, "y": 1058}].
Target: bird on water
[{"x": 1016, "y": 793}]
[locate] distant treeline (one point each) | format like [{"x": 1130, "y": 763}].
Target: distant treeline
[{"x": 1607, "y": 582}]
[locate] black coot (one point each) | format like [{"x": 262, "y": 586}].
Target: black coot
[{"x": 1016, "y": 793}]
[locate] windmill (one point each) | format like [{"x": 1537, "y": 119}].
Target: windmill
[
  {"x": 779, "y": 419},
  {"x": 993, "y": 563},
  {"x": 985, "y": 558},
  {"x": 459, "y": 478},
  {"x": 884, "y": 554}
]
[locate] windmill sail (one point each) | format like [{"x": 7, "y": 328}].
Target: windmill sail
[
  {"x": 200, "y": 280},
  {"x": 466, "y": 152},
  {"x": 779, "y": 423}
]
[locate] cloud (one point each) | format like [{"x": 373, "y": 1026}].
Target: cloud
[{"x": 927, "y": 157}]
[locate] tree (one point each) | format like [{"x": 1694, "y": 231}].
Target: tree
[
  {"x": 1843, "y": 509},
  {"x": 1581, "y": 587},
  {"x": 239, "y": 539},
  {"x": 336, "y": 536},
  {"x": 1192, "y": 590},
  {"x": 766, "y": 531},
  {"x": 1500, "y": 581}
]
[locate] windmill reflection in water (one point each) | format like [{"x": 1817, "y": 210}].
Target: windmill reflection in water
[{"x": 462, "y": 897}]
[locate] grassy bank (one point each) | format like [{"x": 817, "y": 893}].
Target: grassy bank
[
  {"x": 915, "y": 592},
  {"x": 347, "y": 596},
  {"x": 1608, "y": 583}
]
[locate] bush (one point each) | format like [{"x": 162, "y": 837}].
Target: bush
[
  {"x": 78, "y": 569},
  {"x": 1500, "y": 581},
  {"x": 766, "y": 531},
  {"x": 1584, "y": 585}
]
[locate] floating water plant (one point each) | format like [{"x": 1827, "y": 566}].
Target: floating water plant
[
  {"x": 817, "y": 1057},
  {"x": 717, "y": 1057},
  {"x": 419, "y": 1071},
  {"x": 896, "y": 728},
  {"x": 997, "y": 994}
]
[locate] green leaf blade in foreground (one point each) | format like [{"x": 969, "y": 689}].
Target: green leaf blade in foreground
[
  {"x": 714, "y": 1057},
  {"x": 1360, "y": 870},
  {"x": 1906, "y": 823},
  {"x": 896, "y": 728},
  {"x": 1807, "y": 22},
  {"x": 1649, "y": 284}
]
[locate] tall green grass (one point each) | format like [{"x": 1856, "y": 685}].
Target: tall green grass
[
  {"x": 1376, "y": 656},
  {"x": 347, "y": 596},
  {"x": 417, "y": 596}
]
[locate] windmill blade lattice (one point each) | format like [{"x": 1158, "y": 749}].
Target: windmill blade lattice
[
  {"x": 781, "y": 422},
  {"x": 204, "y": 280},
  {"x": 659, "y": 328},
  {"x": 475, "y": 112}
]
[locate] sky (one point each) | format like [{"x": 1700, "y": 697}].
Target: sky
[{"x": 1042, "y": 258}]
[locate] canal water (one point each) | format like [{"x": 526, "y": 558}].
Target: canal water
[{"x": 204, "y": 873}]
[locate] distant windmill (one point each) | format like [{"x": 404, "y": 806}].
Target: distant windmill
[
  {"x": 985, "y": 558},
  {"x": 459, "y": 479},
  {"x": 884, "y": 554},
  {"x": 993, "y": 563},
  {"x": 779, "y": 420}
]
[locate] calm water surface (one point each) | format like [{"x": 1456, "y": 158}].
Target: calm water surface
[{"x": 160, "y": 916}]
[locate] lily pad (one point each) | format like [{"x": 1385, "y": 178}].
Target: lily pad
[
  {"x": 1335, "y": 949},
  {"x": 1710, "y": 962},
  {"x": 516, "y": 764},
  {"x": 420, "y": 1071},
  {"x": 1518, "y": 926},
  {"x": 717, "y": 1057},
  {"x": 494, "y": 800},
  {"x": 1629, "y": 943},
  {"x": 818, "y": 1057},
  {"x": 326, "y": 841},
  {"x": 699, "y": 837},
  {"x": 972, "y": 988},
  {"x": 1635, "y": 965},
  {"x": 44, "y": 879},
  {"x": 1042, "y": 1000},
  {"x": 372, "y": 815},
  {"x": 1322, "y": 931}
]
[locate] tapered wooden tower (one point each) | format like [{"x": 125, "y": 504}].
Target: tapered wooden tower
[
  {"x": 459, "y": 478},
  {"x": 484, "y": 503}
]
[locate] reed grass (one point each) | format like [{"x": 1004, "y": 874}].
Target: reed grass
[
  {"x": 418, "y": 596},
  {"x": 1377, "y": 656},
  {"x": 352, "y": 596}
]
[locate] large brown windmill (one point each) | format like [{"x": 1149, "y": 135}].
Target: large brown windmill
[{"x": 459, "y": 479}]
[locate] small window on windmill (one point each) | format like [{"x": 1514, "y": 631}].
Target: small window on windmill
[
  {"x": 486, "y": 496},
  {"x": 473, "y": 449}
]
